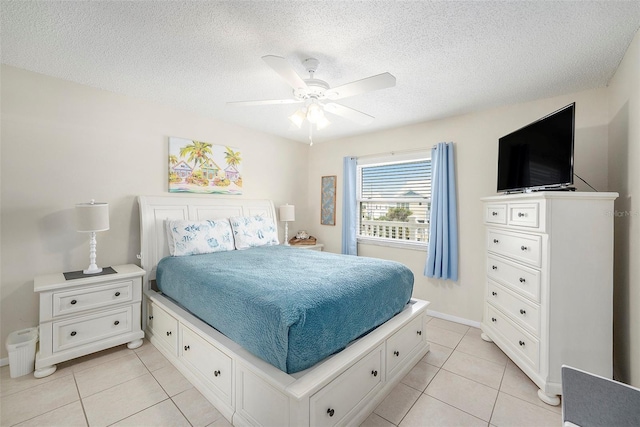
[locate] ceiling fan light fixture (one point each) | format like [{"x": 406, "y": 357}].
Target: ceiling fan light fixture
[
  {"x": 322, "y": 122},
  {"x": 314, "y": 113},
  {"x": 298, "y": 117}
]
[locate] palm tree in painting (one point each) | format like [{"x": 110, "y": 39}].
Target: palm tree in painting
[
  {"x": 232, "y": 157},
  {"x": 173, "y": 160},
  {"x": 198, "y": 153}
]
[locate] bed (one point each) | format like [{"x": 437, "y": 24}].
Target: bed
[{"x": 321, "y": 374}]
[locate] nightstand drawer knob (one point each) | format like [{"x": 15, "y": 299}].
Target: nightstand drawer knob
[
  {"x": 494, "y": 267},
  {"x": 523, "y": 312},
  {"x": 186, "y": 347},
  {"x": 216, "y": 373},
  {"x": 73, "y": 333},
  {"x": 168, "y": 333},
  {"x": 396, "y": 353},
  {"x": 117, "y": 322},
  {"x": 73, "y": 302},
  {"x": 496, "y": 241},
  {"x": 522, "y": 280},
  {"x": 117, "y": 294},
  {"x": 524, "y": 248},
  {"x": 494, "y": 213},
  {"x": 494, "y": 293}
]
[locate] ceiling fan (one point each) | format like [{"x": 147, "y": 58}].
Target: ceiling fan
[{"x": 317, "y": 96}]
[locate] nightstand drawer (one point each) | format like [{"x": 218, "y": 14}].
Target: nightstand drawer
[
  {"x": 91, "y": 297},
  {"x": 87, "y": 329}
]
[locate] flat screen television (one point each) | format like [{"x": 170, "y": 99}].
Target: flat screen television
[{"x": 538, "y": 156}]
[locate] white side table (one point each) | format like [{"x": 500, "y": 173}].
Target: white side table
[
  {"x": 316, "y": 247},
  {"x": 88, "y": 314}
]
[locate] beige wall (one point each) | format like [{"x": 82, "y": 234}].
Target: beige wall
[
  {"x": 64, "y": 143},
  {"x": 624, "y": 177}
]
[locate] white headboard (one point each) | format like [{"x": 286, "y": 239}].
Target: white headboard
[{"x": 155, "y": 210}]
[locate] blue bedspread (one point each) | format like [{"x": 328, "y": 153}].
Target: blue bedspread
[{"x": 288, "y": 306}]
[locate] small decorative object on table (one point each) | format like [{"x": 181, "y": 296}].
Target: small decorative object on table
[{"x": 302, "y": 238}]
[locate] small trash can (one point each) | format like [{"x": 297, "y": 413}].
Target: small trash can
[{"x": 21, "y": 346}]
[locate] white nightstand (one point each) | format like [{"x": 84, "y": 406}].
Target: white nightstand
[
  {"x": 316, "y": 247},
  {"x": 89, "y": 314}
]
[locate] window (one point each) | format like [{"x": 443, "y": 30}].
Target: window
[{"x": 394, "y": 195}]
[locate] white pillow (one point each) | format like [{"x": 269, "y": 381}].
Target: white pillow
[
  {"x": 188, "y": 237},
  {"x": 253, "y": 231}
]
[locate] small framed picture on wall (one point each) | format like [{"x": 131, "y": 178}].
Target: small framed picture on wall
[{"x": 328, "y": 200}]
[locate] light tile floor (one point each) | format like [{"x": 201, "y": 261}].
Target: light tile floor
[{"x": 461, "y": 381}]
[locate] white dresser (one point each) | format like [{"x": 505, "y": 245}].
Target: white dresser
[
  {"x": 88, "y": 314},
  {"x": 549, "y": 283}
]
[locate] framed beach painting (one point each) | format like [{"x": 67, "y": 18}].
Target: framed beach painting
[
  {"x": 203, "y": 167},
  {"x": 328, "y": 200}
]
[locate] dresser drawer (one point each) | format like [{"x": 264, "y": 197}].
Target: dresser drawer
[
  {"x": 87, "y": 329},
  {"x": 525, "y": 313},
  {"x": 526, "y": 248},
  {"x": 517, "y": 277},
  {"x": 163, "y": 326},
  {"x": 333, "y": 404},
  {"x": 524, "y": 214},
  {"x": 521, "y": 342},
  {"x": 495, "y": 213},
  {"x": 91, "y": 297},
  {"x": 213, "y": 365},
  {"x": 401, "y": 343}
]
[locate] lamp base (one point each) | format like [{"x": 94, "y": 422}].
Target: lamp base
[{"x": 93, "y": 269}]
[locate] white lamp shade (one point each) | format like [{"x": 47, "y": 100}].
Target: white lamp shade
[
  {"x": 92, "y": 217},
  {"x": 287, "y": 213}
]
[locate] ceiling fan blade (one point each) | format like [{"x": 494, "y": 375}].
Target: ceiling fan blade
[
  {"x": 348, "y": 113},
  {"x": 264, "y": 102},
  {"x": 282, "y": 67},
  {"x": 380, "y": 81}
]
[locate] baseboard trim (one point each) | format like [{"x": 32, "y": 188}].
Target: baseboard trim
[
  {"x": 4, "y": 362},
  {"x": 451, "y": 318}
]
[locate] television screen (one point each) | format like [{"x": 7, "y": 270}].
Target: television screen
[{"x": 539, "y": 155}]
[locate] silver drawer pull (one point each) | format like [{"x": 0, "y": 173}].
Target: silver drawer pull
[
  {"x": 523, "y": 312},
  {"x": 330, "y": 412},
  {"x": 419, "y": 332},
  {"x": 216, "y": 373},
  {"x": 168, "y": 333},
  {"x": 396, "y": 353},
  {"x": 521, "y": 343},
  {"x": 494, "y": 320},
  {"x": 117, "y": 294},
  {"x": 524, "y": 248},
  {"x": 73, "y": 302},
  {"x": 150, "y": 317},
  {"x": 494, "y": 293},
  {"x": 496, "y": 241},
  {"x": 522, "y": 280},
  {"x": 374, "y": 373},
  {"x": 494, "y": 213},
  {"x": 494, "y": 267},
  {"x": 520, "y": 214},
  {"x": 186, "y": 347},
  {"x": 73, "y": 333},
  {"x": 117, "y": 322}
]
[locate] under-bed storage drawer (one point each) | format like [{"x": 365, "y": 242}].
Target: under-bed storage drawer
[
  {"x": 401, "y": 343},
  {"x": 336, "y": 401},
  {"x": 213, "y": 365},
  {"x": 163, "y": 326}
]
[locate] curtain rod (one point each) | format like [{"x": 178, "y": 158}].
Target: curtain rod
[{"x": 413, "y": 150}]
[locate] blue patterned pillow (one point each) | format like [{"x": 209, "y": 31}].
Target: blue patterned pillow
[
  {"x": 188, "y": 237},
  {"x": 253, "y": 231}
]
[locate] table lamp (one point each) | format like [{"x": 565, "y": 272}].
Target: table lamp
[
  {"x": 287, "y": 213},
  {"x": 92, "y": 217}
]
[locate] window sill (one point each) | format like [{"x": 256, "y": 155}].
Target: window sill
[{"x": 415, "y": 246}]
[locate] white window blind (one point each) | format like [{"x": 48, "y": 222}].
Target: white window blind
[{"x": 394, "y": 199}]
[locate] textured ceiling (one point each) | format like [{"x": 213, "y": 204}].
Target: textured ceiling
[{"x": 449, "y": 57}]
